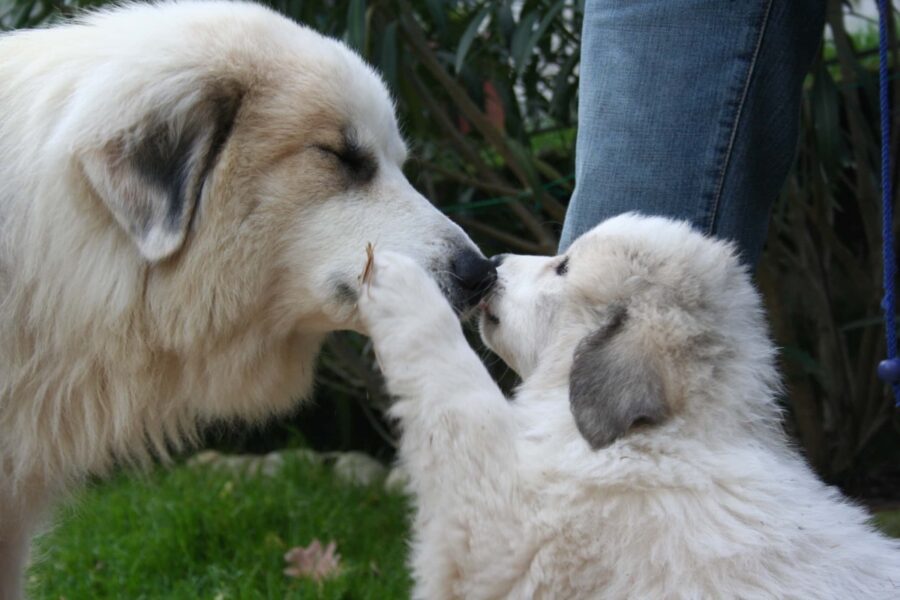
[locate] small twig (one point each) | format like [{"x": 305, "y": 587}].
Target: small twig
[
  {"x": 366, "y": 275},
  {"x": 502, "y": 236},
  {"x": 494, "y": 188},
  {"x": 541, "y": 233},
  {"x": 419, "y": 45}
]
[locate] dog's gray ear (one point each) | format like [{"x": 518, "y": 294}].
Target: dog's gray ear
[
  {"x": 614, "y": 385},
  {"x": 151, "y": 176}
]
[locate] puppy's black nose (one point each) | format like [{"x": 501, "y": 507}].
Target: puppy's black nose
[
  {"x": 497, "y": 260},
  {"x": 475, "y": 274}
]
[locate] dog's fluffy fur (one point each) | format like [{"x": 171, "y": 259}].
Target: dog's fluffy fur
[
  {"x": 186, "y": 190},
  {"x": 642, "y": 456}
]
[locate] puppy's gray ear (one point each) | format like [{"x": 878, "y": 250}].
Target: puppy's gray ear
[
  {"x": 150, "y": 176},
  {"x": 614, "y": 385}
]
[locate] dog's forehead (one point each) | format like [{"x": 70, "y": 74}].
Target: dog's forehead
[
  {"x": 590, "y": 249},
  {"x": 609, "y": 262},
  {"x": 362, "y": 101},
  {"x": 656, "y": 261},
  {"x": 374, "y": 125},
  {"x": 364, "y": 110},
  {"x": 345, "y": 106},
  {"x": 641, "y": 242}
]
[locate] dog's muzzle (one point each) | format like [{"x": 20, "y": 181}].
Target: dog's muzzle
[{"x": 473, "y": 276}]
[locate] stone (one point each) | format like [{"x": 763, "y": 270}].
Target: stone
[
  {"x": 236, "y": 463},
  {"x": 203, "y": 459},
  {"x": 304, "y": 454},
  {"x": 397, "y": 480},
  {"x": 358, "y": 468},
  {"x": 271, "y": 464}
]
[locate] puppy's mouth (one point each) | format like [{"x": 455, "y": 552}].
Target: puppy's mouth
[
  {"x": 488, "y": 316},
  {"x": 465, "y": 305}
]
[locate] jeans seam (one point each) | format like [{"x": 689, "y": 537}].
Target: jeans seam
[{"x": 720, "y": 185}]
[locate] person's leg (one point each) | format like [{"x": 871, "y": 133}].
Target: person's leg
[{"x": 690, "y": 109}]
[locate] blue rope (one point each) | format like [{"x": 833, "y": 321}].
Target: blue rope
[{"x": 888, "y": 370}]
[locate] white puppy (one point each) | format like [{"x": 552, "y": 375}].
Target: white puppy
[
  {"x": 643, "y": 454},
  {"x": 184, "y": 189}
]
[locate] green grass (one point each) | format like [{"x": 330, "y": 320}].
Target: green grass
[
  {"x": 889, "y": 522},
  {"x": 184, "y": 533}
]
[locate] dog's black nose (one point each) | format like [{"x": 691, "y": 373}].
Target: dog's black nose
[{"x": 475, "y": 274}]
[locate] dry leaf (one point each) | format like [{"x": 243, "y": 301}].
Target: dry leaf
[
  {"x": 313, "y": 561},
  {"x": 370, "y": 262}
]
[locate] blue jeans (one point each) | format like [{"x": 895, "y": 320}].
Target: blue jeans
[{"x": 690, "y": 109}]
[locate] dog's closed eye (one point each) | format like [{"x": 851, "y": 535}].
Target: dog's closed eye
[{"x": 353, "y": 158}]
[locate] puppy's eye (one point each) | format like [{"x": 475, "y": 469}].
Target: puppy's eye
[{"x": 563, "y": 267}]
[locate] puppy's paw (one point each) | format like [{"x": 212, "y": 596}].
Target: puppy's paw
[
  {"x": 396, "y": 292},
  {"x": 393, "y": 282}
]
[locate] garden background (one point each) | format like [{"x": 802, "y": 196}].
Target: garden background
[{"x": 487, "y": 97}]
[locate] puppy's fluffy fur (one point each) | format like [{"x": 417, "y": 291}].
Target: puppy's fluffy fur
[
  {"x": 185, "y": 191},
  {"x": 642, "y": 456}
]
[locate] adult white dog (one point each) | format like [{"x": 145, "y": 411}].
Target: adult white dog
[
  {"x": 185, "y": 189},
  {"x": 643, "y": 454}
]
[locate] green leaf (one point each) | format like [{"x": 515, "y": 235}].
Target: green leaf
[
  {"x": 520, "y": 39},
  {"x": 505, "y": 20},
  {"x": 23, "y": 15},
  {"x": 389, "y": 56},
  {"x": 356, "y": 25},
  {"x": 514, "y": 124},
  {"x": 294, "y": 7},
  {"x": 523, "y": 55},
  {"x": 824, "y": 98},
  {"x": 868, "y": 322},
  {"x": 469, "y": 36},
  {"x": 438, "y": 13},
  {"x": 563, "y": 90},
  {"x": 524, "y": 157},
  {"x": 803, "y": 359}
]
